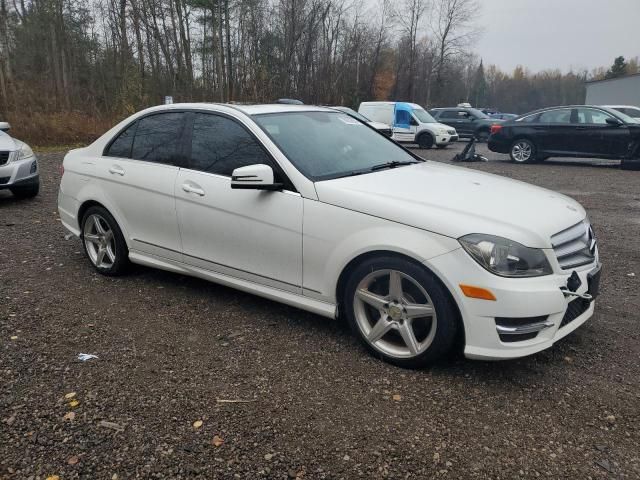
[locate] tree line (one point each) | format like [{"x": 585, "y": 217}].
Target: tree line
[{"x": 70, "y": 68}]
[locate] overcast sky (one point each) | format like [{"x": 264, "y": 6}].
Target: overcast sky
[{"x": 541, "y": 34}]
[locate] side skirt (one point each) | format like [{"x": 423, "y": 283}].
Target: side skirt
[{"x": 305, "y": 303}]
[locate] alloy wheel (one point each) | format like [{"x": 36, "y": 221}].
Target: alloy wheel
[
  {"x": 521, "y": 151},
  {"x": 395, "y": 313},
  {"x": 99, "y": 241}
]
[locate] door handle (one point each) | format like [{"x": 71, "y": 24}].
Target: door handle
[
  {"x": 191, "y": 189},
  {"x": 116, "y": 170}
]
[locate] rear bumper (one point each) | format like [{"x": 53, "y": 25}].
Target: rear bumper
[
  {"x": 498, "y": 145},
  {"x": 22, "y": 173},
  {"x": 537, "y": 305}
]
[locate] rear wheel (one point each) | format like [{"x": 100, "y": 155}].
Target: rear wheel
[
  {"x": 425, "y": 141},
  {"x": 400, "y": 311},
  {"x": 103, "y": 242},
  {"x": 523, "y": 151}
]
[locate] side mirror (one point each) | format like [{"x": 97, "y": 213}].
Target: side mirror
[
  {"x": 254, "y": 177},
  {"x": 614, "y": 122},
  {"x": 5, "y": 127}
]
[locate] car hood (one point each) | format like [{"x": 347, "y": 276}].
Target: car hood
[
  {"x": 7, "y": 143},
  {"x": 456, "y": 201}
]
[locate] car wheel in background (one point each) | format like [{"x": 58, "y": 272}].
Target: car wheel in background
[
  {"x": 523, "y": 151},
  {"x": 482, "y": 136},
  {"x": 400, "y": 311},
  {"x": 103, "y": 242},
  {"x": 29, "y": 191},
  {"x": 425, "y": 141}
]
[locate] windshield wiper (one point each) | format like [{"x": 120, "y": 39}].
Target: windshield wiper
[{"x": 393, "y": 164}]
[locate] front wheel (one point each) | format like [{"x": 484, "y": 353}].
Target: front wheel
[
  {"x": 400, "y": 311},
  {"x": 523, "y": 151},
  {"x": 425, "y": 141},
  {"x": 29, "y": 191},
  {"x": 103, "y": 242}
]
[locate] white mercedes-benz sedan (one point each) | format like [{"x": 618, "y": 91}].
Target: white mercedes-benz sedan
[{"x": 310, "y": 207}]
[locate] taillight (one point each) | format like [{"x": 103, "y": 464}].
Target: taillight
[
  {"x": 61, "y": 169},
  {"x": 495, "y": 128}
]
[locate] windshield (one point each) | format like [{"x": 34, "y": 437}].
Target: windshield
[
  {"x": 477, "y": 113},
  {"x": 326, "y": 145},
  {"x": 423, "y": 116}
]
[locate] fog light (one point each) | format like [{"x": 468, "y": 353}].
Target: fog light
[{"x": 34, "y": 167}]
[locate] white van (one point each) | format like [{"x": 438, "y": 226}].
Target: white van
[{"x": 411, "y": 123}]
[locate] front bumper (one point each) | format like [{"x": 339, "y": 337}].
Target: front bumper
[
  {"x": 20, "y": 173},
  {"x": 532, "y": 300},
  {"x": 446, "y": 139}
]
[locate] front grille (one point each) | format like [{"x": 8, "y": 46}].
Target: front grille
[
  {"x": 4, "y": 157},
  {"x": 575, "y": 308},
  {"x": 575, "y": 246},
  {"x": 4, "y": 180}
]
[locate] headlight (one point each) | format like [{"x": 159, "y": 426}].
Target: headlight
[
  {"x": 24, "y": 153},
  {"x": 442, "y": 131},
  {"x": 505, "y": 257}
]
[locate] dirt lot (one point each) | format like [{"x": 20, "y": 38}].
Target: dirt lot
[{"x": 317, "y": 406}]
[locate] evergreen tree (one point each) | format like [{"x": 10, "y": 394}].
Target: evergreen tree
[
  {"x": 479, "y": 93},
  {"x": 618, "y": 69}
]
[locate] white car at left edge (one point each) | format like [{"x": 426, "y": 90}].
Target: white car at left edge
[{"x": 18, "y": 166}]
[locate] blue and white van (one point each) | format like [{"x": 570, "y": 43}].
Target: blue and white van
[{"x": 410, "y": 123}]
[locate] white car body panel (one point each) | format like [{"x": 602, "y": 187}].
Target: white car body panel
[
  {"x": 293, "y": 246},
  {"x": 217, "y": 230}
]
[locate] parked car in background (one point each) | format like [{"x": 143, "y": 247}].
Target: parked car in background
[
  {"x": 18, "y": 166},
  {"x": 572, "y": 131},
  {"x": 307, "y": 206},
  {"x": 468, "y": 122},
  {"x": 504, "y": 116},
  {"x": 379, "y": 126},
  {"x": 633, "y": 112},
  {"x": 410, "y": 123}
]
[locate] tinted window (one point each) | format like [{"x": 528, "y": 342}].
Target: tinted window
[
  {"x": 121, "y": 146},
  {"x": 220, "y": 145},
  {"x": 556, "y": 116},
  {"x": 158, "y": 138},
  {"x": 592, "y": 116},
  {"x": 451, "y": 114},
  {"x": 403, "y": 117}
]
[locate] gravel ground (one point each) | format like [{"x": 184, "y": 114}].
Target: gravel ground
[{"x": 314, "y": 405}]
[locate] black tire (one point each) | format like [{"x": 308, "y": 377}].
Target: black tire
[
  {"x": 425, "y": 141},
  {"x": 28, "y": 191},
  {"x": 446, "y": 314},
  {"x": 482, "y": 135},
  {"x": 523, "y": 144},
  {"x": 121, "y": 263}
]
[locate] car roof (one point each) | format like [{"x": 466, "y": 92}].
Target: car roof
[{"x": 246, "y": 109}]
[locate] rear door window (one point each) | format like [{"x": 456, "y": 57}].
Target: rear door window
[
  {"x": 561, "y": 116},
  {"x": 121, "y": 146},
  {"x": 450, "y": 114},
  {"x": 159, "y": 138}
]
